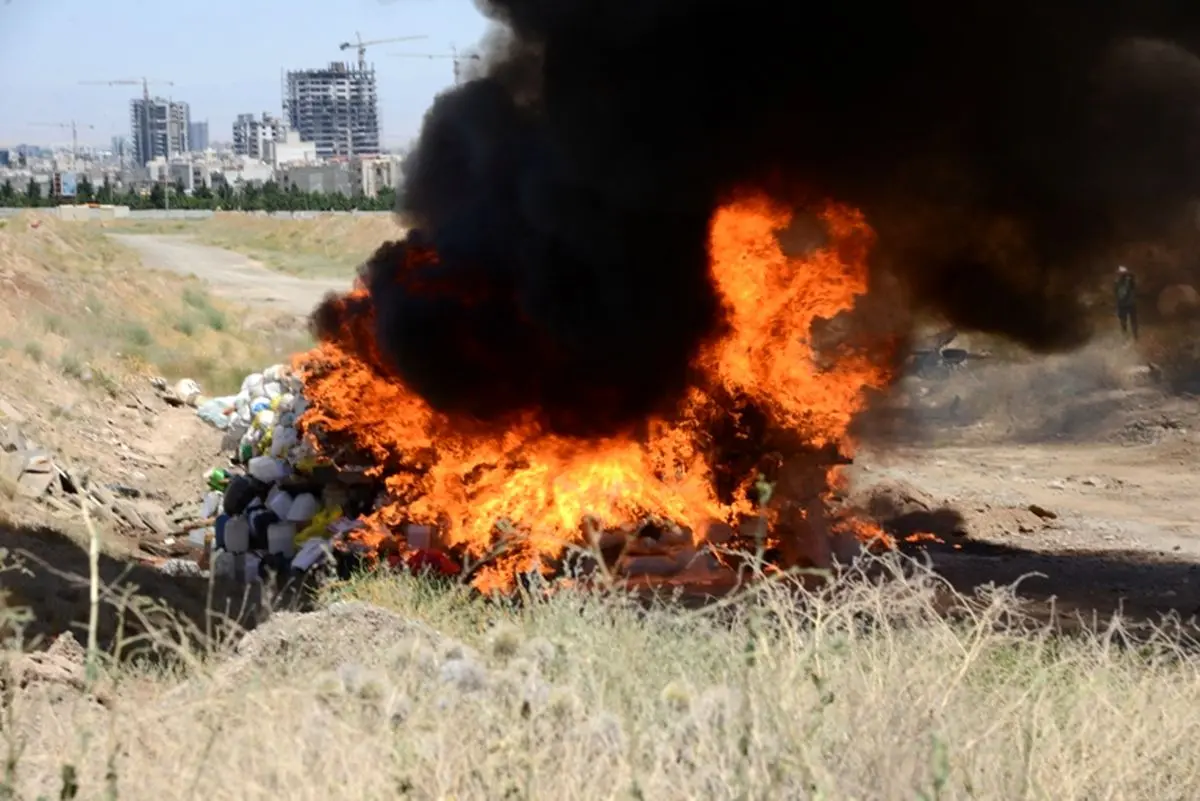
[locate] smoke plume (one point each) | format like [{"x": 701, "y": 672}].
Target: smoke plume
[{"x": 1000, "y": 150}]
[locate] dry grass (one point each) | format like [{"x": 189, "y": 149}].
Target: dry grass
[
  {"x": 80, "y": 308},
  {"x": 323, "y": 246},
  {"x": 869, "y": 692}
]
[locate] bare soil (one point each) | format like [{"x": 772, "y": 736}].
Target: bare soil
[
  {"x": 232, "y": 275},
  {"x": 1075, "y": 468}
]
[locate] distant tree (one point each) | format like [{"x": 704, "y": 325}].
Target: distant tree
[
  {"x": 272, "y": 198},
  {"x": 33, "y": 193},
  {"x": 84, "y": 191},
  {"x": 8, "y": 195},
  {"x": 228, "y": 197},
  {"x": 386, "y": 199},
  {"x": 252, "y": 198},
  {"x": 269, "y": 196}
]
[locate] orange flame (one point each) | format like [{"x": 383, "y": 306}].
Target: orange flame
[{"x": 529, "y": 492}]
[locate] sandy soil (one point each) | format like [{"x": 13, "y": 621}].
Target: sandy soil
[
  {"x": 232, "y": 275},
  {"x": 1140, "y": 498}
]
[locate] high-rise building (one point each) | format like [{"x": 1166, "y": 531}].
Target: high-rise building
[
  {"x": 251, "y": 134},
  {"x": 337, "y": 109},
  {"x": 198, "y": 136},
  {"x": 159, "y": 127},
  {"x": 121, "y": 150}
]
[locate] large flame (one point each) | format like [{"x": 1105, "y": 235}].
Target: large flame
[{"x": 528, "y": 493}]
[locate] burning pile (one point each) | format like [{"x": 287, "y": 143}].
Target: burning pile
[
  {"x": 765, "y": 405},
  {"x": 582, "y": 335}
]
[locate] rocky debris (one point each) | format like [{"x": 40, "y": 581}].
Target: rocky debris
[
  {"x": 906, "y": 511},
  {"x": 986, "y": 521},
  {"x": 1087, "y": 483},
  {"x": 30, "y": 470},
  {"x": 890, "y": 498},
  {"x": 62, "y": 663},
  {"x": 1151, "y": 430},
  {"x": 903, "y": 510},
  {"x": 34, "y": 474},
  {"x": 1042, "y": 512},
  {"x": 183, "y": 393}
]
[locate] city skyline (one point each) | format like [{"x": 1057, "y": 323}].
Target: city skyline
[{"x": 234, "y": 74}]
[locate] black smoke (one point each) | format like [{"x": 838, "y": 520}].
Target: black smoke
[{"x": 1000, "y": 149}]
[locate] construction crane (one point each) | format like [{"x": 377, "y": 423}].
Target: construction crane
[
  {"x": 142, "y": 82},
  {"x": 453, "y": 54},
  {"x": 362, "y": 46},
  {"x": 74, "y": 133}
]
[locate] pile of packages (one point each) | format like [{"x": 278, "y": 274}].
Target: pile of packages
[{"x": 278, "y": 506}]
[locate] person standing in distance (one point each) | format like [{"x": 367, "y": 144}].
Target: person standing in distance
[{"x": 1125, "y": 289}]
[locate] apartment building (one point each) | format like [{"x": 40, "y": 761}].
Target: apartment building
[
  {"x": 159, "y": 128},
  {"x": 253, "y": 135},
  {"x": 198, "y": 136},
  {"x": 337, "y": 109}
]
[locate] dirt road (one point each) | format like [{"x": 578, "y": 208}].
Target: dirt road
[{"x": 231, "y": 275}]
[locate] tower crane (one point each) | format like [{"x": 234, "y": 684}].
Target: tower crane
[
  {"x": 453, "y": 54},
  {"x": 142, "y": 82},
  {"x": 74, "y": 133},
  {"x": 361, "y": 46}
]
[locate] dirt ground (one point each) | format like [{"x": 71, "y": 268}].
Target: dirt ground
[
  {"x": 1075, "y": 469},
  {"x": 232, "y": 275}
]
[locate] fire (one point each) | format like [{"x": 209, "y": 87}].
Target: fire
[
  {"x": 519, "y": 498},
  {"x": 774, "y": 301}
]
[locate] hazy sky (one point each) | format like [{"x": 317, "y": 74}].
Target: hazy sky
[{"x": 224, "y": 56}]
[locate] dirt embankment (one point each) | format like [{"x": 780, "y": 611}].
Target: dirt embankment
[{"x": 85, "y": 322}]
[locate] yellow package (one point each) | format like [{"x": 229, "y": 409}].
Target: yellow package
[{"x": 318, "y": 525}]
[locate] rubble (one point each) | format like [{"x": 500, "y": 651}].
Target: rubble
[
  {"x": 34, "y": 474},
  {"x": 61, "y": 663}
]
